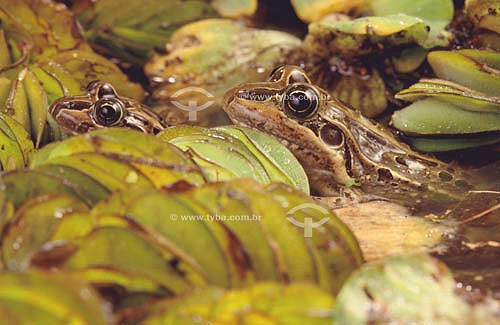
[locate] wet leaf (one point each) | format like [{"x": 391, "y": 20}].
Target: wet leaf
[
  {"x": 22, "y": 184},
  {"x": 33, "y": 225},
  {"x": 362, "y": 36},
  {"x": 314, "y": 10},
  {"x": 38, "y": 297},
  {"x": 118, "y": 248},
  {"x": 225, "y": 153},
  {"x": 452, "y": 93},
  {"x": 235, "y": 8},
  {"x": 466, "y": 71},
  {"x": 335, "y": 260},
  {"x": 213, "y": 55},
  {"x": 432, "y": 116},
  {"x": 15, "y": 147},
  {"x": 437, "y": 14},
  {"x": 455, "y": 143},
  {"x": 132, "y": 32},
  {"x": 483, "y": 13},
  {"x": 409, "y": 59},
  {"x": 265, "y": 303},
  {"x": 404, "y": 289},
  {"x": 119, "y": 158},
  {"x": 366, "y": 93}
]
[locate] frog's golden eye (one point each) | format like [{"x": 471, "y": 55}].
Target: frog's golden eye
[
  {"x": 300, "y": 101},
  {"x": 298, "y": 76},
  {"x": 108, "y": 112},
  {"x": 276, "y": 74}
]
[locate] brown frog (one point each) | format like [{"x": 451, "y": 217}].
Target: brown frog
[
  {"x": 339, "y": 148},
  {"x": 102, "y": 107}
]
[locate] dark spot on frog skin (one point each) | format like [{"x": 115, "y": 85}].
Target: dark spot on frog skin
[
  {"x": 463, "y": 184},
  {"x": 401, "y": 161},
  {"x": 384, "y": 175},
  {"x": 445, "y": 177}
]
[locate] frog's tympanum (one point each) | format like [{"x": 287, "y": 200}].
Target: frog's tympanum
[
  {"x": 102, "y": 107},
  {"x": 338, "y": 147}
]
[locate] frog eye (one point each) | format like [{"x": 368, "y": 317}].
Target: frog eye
[
  {"x": 276, "y": 74},
  {"x": 106, "y": 90},
  {"x": 298, "y": 76},
  {"x": 108, "y": 112},
  {"x": 300, "y": 101}
]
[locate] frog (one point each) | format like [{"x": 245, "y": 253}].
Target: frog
[
  {"x": 102, "y": 107},
  {"x": 343, "y": 152}
]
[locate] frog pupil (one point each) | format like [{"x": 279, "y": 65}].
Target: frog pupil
[{"x": 299, "y": 101}]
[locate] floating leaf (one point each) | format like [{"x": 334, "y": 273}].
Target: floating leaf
[
  {"x": 225, "y": 153},
  {"x": 437, "y": 14},
  {"x": 452, "y": 93},
  {"x": 213, "y": 55},
  {"x": 119, "y": 158},
  {"x": 265, "y": 303},
  {"x": 466, "y": 71},
  {"x": 32, "y": 227},
  {"x": 132, "y": 32},
  {"x": 432, "y": 116},
  {"x": 363, "y": 35},
  {"x": 314, "y": 10},
  {"x": 38, "y": 297},
  {"x": 404, "y": 289},
  {"x": 484, "y": 14}
]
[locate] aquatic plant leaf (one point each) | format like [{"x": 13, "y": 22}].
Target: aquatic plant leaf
[
  {"x": 121, "y": 249},
  {"x": 433, "y": 116},
  {"x": 365, "y": 93},
  {"x": 364, "y": 35},
  {"x": 455, "y": 143},
  {"x": 265, "y": 303},
  {"x": 32, "y": 227},
  {"x": 403, "y": 289},
  {"x": 15, "y": 146},
  {"x": 280, "y": 163},
  {"x": 35, "y": 297},
  {"x": 213, "y": 55},
  {"x": 22, "y": 184},
  {"x": 132, "y": 32},
  {"x": 464, "y": 70},
  {"x": 484, "y": 14},
  {"x": 337, "y": 259},
  {"x": 119, "y": 158},
  {"x": 314, "y": 10},
  {"x": 437, "y": 14},
  {"x": 225, "y": 153},
  {"x": 154, "y": 211},
  {"x": 452, "y": 93},
  {"x": 235, "y": 8},
  {"x": 409, "y": 59}
]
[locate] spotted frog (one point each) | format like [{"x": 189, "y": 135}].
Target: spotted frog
[
  {"x": 338, "y": 147},
  {"x": 102, "y": 107}
]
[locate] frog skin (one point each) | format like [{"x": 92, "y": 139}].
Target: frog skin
[
  {"x": 101, "y": 107},
  {"x": 338, "y": 147}
]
